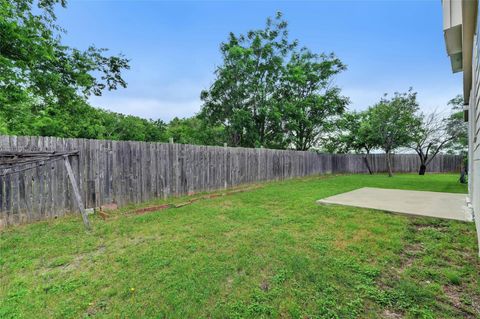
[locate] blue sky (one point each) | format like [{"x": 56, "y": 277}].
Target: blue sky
[{"x": 388, "y": 46}]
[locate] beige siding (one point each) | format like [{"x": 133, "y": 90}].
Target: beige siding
[{"x": 474, "y": 138}]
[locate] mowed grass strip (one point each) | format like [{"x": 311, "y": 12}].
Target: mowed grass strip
[{"x": 268, "y": 253}]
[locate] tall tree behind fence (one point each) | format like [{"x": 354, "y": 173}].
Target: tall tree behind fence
[{"x": 124, "y": 172}]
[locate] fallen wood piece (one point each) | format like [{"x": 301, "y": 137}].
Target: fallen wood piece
[
  {"x": 242, "y": 190},
  {"x": 152, "y": 208},
  {"x": 76, "y": 192},
  {"x": 190, "y": 201},
  {"x": 182, "y": 204}
]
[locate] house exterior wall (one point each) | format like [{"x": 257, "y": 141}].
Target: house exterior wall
[
  {"x": 460, "y": 22},
  {"x": 474, "y": 134},
  {"x": 452, "y": 13}
]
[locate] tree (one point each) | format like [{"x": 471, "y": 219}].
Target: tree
[
  {"x": 194, "y": 130},
  {"x": 393, "y": 121},
  {"x": 308, "y": 101},
  {"x": 457, "y": 127},
  {"x": 361, "y": 137},
  {"x": 365, "y": 138},
  {"x": 353, "y": 134},
  {"x": 242, "y": 96},
  {"x": 116, "y": 126},
  {"x": 269, "y": 93},
  {"x": 430, "y": 138},
  {"x": 42, "y": 77}
]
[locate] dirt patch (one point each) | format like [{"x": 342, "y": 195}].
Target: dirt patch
[
  {"x": 438, "y": 228},
  {"x": 409, "y": 254},
  {"x": 95, "y": 307},
  {"x": 386, "y": 282},
  {"x": 141, "y": 211},
  {"x": 454, "y": 294},
  {"x": 389, "y": 314},
  {"x": 74, "y": 263},
  {"x": 359, "y": 236},
  {"x": 407, "y": 258},
  {"x": 464, "y": 305},
  {"x": 265, "y": 286}
]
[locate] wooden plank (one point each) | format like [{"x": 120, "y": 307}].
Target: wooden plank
[{"x": 76, "y": 193}]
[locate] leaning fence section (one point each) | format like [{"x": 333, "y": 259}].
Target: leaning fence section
[{"x": 125, "y": 172}]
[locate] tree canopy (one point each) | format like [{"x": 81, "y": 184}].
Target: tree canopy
[
  {"x": 457, "y": 127},
  {"x": 309, "y": 103},
  {"x": 194, "y": 130},
  {"x": 268, "y": 92},
  {"x": 35, "y": 63},
  {"x": 44, "y": 84},
  {"x": 393, "y": 121}
]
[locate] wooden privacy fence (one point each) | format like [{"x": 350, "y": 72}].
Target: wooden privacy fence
[{"x": 124, "y": 172}]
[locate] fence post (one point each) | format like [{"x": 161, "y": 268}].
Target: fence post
[{"x": 225, "y": 165}]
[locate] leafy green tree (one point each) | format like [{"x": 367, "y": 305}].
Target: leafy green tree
[
  {"x": 116, "y": 126},
  {"x": 44, "y": 84},
  {"x": 353, "y": 134},
  {"x": 393, "y": 122},
  {"x": 339, "y": 139},
  {"x": 308, "y": 101},
  {"x": 269, "y": 93},
  {"x": 242, "y": 96},
  {"x": 16, "y": 116},
  {"x": 155, "y": 130},
  {"x": 457, "y": 128},
  {"x": 194, "y": 130},
  {"x": 34, "y": 60}
]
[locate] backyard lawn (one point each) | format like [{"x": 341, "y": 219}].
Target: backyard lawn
[{"x": 265, "y": 253}]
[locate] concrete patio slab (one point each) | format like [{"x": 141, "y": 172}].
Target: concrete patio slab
[{"x": 431, "y": 204}]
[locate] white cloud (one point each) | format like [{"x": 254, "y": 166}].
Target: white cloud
[
  {"x": 429, "y": 98},
  {"x": 361, "y": 99},
  {"x": 180, "y": 98},
  {"x": 154, "y": 108},
  {"x": 154, "y": 98},
  {"x": 437, "y": 99}
]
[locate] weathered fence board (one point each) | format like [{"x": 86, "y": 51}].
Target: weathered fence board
[{"x": 124, "y": 172}]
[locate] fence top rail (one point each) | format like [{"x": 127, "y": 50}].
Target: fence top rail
[{"x": 259, "y": 149}]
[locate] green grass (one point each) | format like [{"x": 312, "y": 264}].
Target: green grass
[{"x": 266, "y": 253}]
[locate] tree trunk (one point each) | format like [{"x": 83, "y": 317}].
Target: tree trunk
[
  {"x": 389, "y": 164},
  {"x": 463, "y": 174},
  {"x": 423, "y": 160},
  {"x": 463, "y": 177},
  {"x": 367, "y": 162},
  {"x": 422, "y": 169}
]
